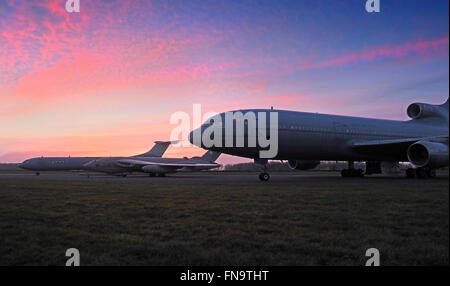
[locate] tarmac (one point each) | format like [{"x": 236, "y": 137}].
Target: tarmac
[{"x": 211, "y": 177}]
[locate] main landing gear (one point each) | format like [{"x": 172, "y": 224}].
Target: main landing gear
[
  {"x": 156, "y": 174},
  {"x": 420, "y": 173},
  {"x": 351, "y": 172}
]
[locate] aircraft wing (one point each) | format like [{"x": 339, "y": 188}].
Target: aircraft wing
[
  {"x": 394, "y": 147},
  {"x": 135, "y": 163},
  {"x": 393, "y": 142}
]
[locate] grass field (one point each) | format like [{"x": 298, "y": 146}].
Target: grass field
[{"x": 231, "y": 223}]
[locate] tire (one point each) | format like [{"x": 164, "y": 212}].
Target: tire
[
  {"x": 421, "y": 173},
  {"x": 431, "y": 173},
  {"x": 360, "y": 173},
  {"x": 264, "y": 177},
  {"x": 345, "y": 173},
  {"x": 410, "y": 173}
]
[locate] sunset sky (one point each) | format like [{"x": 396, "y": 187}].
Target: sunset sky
[{"x": 106, "y": 80}]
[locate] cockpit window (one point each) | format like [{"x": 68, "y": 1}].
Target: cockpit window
[
  {"x": 211, "y": 121},
  {"x": 208, "y": 122}
]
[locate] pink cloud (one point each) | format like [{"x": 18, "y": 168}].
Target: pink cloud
[{"x": 423, "y": 48}]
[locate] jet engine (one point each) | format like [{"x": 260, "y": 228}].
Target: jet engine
[
  {"x": 428, "y": 154},
  {"x": 302, "y": 164},
  {"x": 423, "y": 110},
  {"x": 154, "y": 169}
]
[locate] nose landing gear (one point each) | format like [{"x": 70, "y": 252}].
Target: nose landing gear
[{"x": 264, "y": 176}]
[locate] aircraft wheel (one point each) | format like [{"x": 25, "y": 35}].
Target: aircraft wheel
[
  {"x": 431, "y": 173},
  {"x": 352, "y": 173},
  {"x": 264, "y": 177},
  {"x": 410, "y": 173},
  {"x": 162, "y": 175},
  {"x": 359, "y": 173},
  {"x": 37, "y": 173},
  {"x": 152, "y": 175},
  {"x": 421, "y": 173}
]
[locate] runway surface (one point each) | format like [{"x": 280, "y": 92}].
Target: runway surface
[{"x": 278, "y": 177}]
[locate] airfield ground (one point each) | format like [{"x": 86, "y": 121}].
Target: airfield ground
[{"x": 314, "y": 218}]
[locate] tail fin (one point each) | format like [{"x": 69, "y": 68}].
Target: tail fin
[
  {"x": 158, "y": 149},
  {"x": 211, "y": 156}
]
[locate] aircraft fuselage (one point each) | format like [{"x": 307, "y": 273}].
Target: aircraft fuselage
[{"x": 312, "y": 136}]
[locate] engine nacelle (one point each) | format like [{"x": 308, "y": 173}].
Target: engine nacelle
[
  {"x": 428, "y": 154},
  {"x": 155, "y": 169},
  {"x": 302, "y": 164},
  {"x": 423, "y": 110}
]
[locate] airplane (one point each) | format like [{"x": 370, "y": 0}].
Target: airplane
[
  {"x": 305, "y": 139},
  {"x": 77, "y": 163},
  {"x": 154, "y": 166}
]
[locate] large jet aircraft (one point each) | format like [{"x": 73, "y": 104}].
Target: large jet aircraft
[
  {"x": 304, "y": 139},
  {"x": 155, "y": 166},
  {"x": 77, "y": 163}
]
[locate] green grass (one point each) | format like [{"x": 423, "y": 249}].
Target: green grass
[{"x": 166, "y": 223}]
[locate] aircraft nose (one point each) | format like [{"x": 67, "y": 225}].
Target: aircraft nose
[
  {"x": 23, "y": 165},
  {"x": 89, "y": 164},
  {"x": 191, "y": 137}
]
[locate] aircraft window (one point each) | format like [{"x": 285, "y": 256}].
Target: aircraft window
[{"x": 207, "y": 123}]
